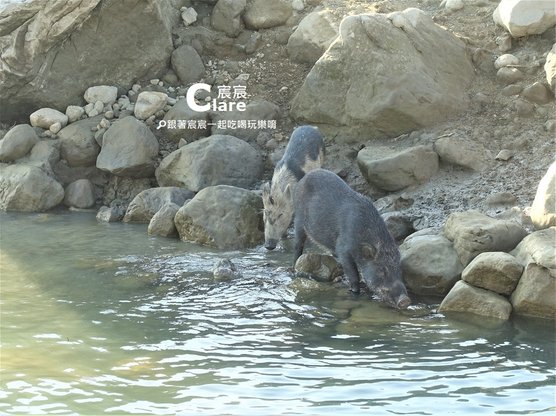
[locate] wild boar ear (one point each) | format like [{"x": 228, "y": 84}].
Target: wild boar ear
[{"x": 369, "y": 251}]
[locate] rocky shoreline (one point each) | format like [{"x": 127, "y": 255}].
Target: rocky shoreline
[{"x": 375, "y": 83}]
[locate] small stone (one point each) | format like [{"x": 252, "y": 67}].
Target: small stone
[
  {"x": 154, "y": 81},
  {"x": 189, "y": 16},
  {"x": 110, "y": 214},
  {"x": 104, "y": 93},
  {"x": 104, "y": 123},
  {"x": 504, "y": 42},
  {"x": 56, "y": 127},
  {"x": 148, "y": 103},
  {"x": 109, "y": 115},
  {"x": 322, "y": 268},
  {"x": 512, "y": 89},
  {"x": 537, "y": 93},
  {"x": 524, "y": 108},
  {"x": 453, "y": 5},
  {"x": 74, "y": 112},
  {"x": 182, "y": 143},
  {"x": 501, "y": 198},
  {"x": 509, "y": 75},
  {"x": 298, "y": 5},
  {"x": 136, "y": 87},
  {"x": 550, "y": 125},
  {"x": 224, "y": 269},
  {"x": 506, "y": 60},
  {"x": 99, "y": 106},
  {"x": 504, "y": 155}
]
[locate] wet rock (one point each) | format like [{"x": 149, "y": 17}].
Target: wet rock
[
  {"x": 28, "y": 189},
  {"x": 46, "y": 117},
  {"x": 148, "y": 202},
  {"x": 110, "y": 214},
  {"x": 77, "y": 143},
  {"x": 80, "y": 194},
  {"x": 264, "y": 14},
  {"x": 313, "y": 36},
  {"x": 162, "y": 223},
  {"x": 222, "y": 216},
  {"x": 537, "y": 93},
  {"x": 462, "y": 152},
  {"x": 17, "y": 142},
  {"x": 362, "y": 84},
  {"x": 177, "y": 127},
  {"x": 224, "y": 269},
  {"x": 543, "y": 210},
  {"x": 257, "y": 110},
  {"x": 129, "y": 148},
  {"x": 550, "y": 68},
  {"x": 473, "y": 233},
  {"x": 320, "y": 267},
  {"x": 391, "y": 170},
  {"x": 187, "y": 64},
  {"x": 525, "y": 17},
  {"x": 149, "y": 103},
  {"x": 215, "y": 160},
  {"x": 534, "y": 294},
  {"x": 469, "y": 299},
  {"x": 104, "y": 93},
  {"x": 509, "y": 75},
  {"x": 506, "y": 60},
  {"x": 430, "y": 265},
  {"x": 226, "y": 16},
  {"x": 495, "y": 271}
]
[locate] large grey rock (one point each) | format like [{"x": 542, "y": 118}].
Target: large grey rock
[
  {"x": 77, "y": 143},
  {"x": 51, "y": 50},
  {"x": 28, "y": 189},
  {"x": 107, "y": 94},
  {"x": 543, "y": 210},
  {"x": 150, "y": 201},
  {"x": 462, "y": 152},
  {"x": 392, "y": 170},
  {"x": 256, "y": 110},
  {"x": 538, "y": 247},
  {"x": 550, "y": 68},
  {"x": 45, "y": 155},
  {"x": 430, "y": 264},
  {"x": 149, "y": 103},
  {"x": 226, "y": 16},
  {"x": 222, "y": 216},
  {"x": 537, "y": 93},
  {"x": 313, "y": 36},
  {"x": 383, "y": 75},
  {"x": 46, "y": 117},
  {"x": 187, "y": 64},
  {"x": 469, "y": 299},
  {"x": 473, "y": 233},
  {"x": 525, "y": 17},
  {"x": 534, "y": 294},
  {"x": 17, "y": 142},
  {"x": 320, "y": 267},
  {"x": 264, "y": 14},
  {"x": 80, "y": 194},
  {"x": 176, "y": 130},
  {"x": 129, "y": 148},
  {"x": 162, "y": 223},
  {"x": 495, "y": 271},
  {"x": 215, "y": 160}
]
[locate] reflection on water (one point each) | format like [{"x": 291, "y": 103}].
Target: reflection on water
[{"x": 99, "y": 318}]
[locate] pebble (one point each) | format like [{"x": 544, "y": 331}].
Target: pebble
[
  {"x": 453, "y": 5},
  {"x": 56, "y": 127},
  {"x": 109, "y": 115},
  {"x": 104, "y": 123},
  {"x": 550, "y": 125},
  {"x": 298, "y": 5},
  {"x": 189, "y": 15},
  {"x": 504, "y": 42},
  {"x": 509, "y": 75},
  {"x": 537, "y": 93},
  {"x": 136, "y": 87},
  {"x": 504, "y": 155},
  {"x": 150, "y": 120},
  {"x": 506, "y": 60},
  {"x": 524, "y": 108},
  {"x": 154, "y": 81},
  {"x": 501, "y": 198},
  {"x": 74, "y": 112},
  {"x": 512, "y": 89},
  {"x": 182, "y": 143},
  {"x": 99, "y": 106}
]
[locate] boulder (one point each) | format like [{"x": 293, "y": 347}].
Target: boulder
[
  {"x": 17, "y": 142},
  {"x": 525, "y": 17},
  {"x": 222, "y": 216},
  {"x": 27, "y": 188},
  {"x": 215, "y": 160},
  {"x": 177, "y": 128},
  {"x": 104, "y": 93},
  {"x": 80, "y": 194},
  {"x": 50, "y": 50},
  {"x": 538, "y": 247},
  {"x": 120, "y": 190},
  {"x": 462, "y": 152},
  {"x": 77, "y": 143},
  {"x": 45, "y": 155},
  {"x": 550, "y": 68},
  {"x": 313, "y": 36},
  {"x": 362, "y": 84},
  {"x": 534, "y": 294},
  {"x": 495, "y": 271},
  {"x": 469, "y": 299},
  {"x": 129, "y": 148},
  {"x": 543, "y": 210},
  {"x": 149, "y": 103},
  {"x": 473, "y": 233},
  {"x": 257, "y": 110},
  {"x": 391, "y": 170},
  {"x": 162, "y": 223},
  {"x": 187, "y": 64},
  {"x": 430, "y": 265},
  {"x": 149, "y": 202},
  {"x": 264, "y": 14},
  {"x": 537, "y": 93},
  {"x": 46, "y": 117},
  {"x": 320, "y": 267},
  {"x": 226, "y": 16}
]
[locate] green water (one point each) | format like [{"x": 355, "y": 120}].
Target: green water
[{"x": 101, "y": 319}]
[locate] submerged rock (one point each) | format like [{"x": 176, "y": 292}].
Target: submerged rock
[
  {"x": 162, "y": 223},
  {"x": 224, "y": 269},
  {"x": 147, "y": 203},
  {"x": 320, "y": 267}
]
